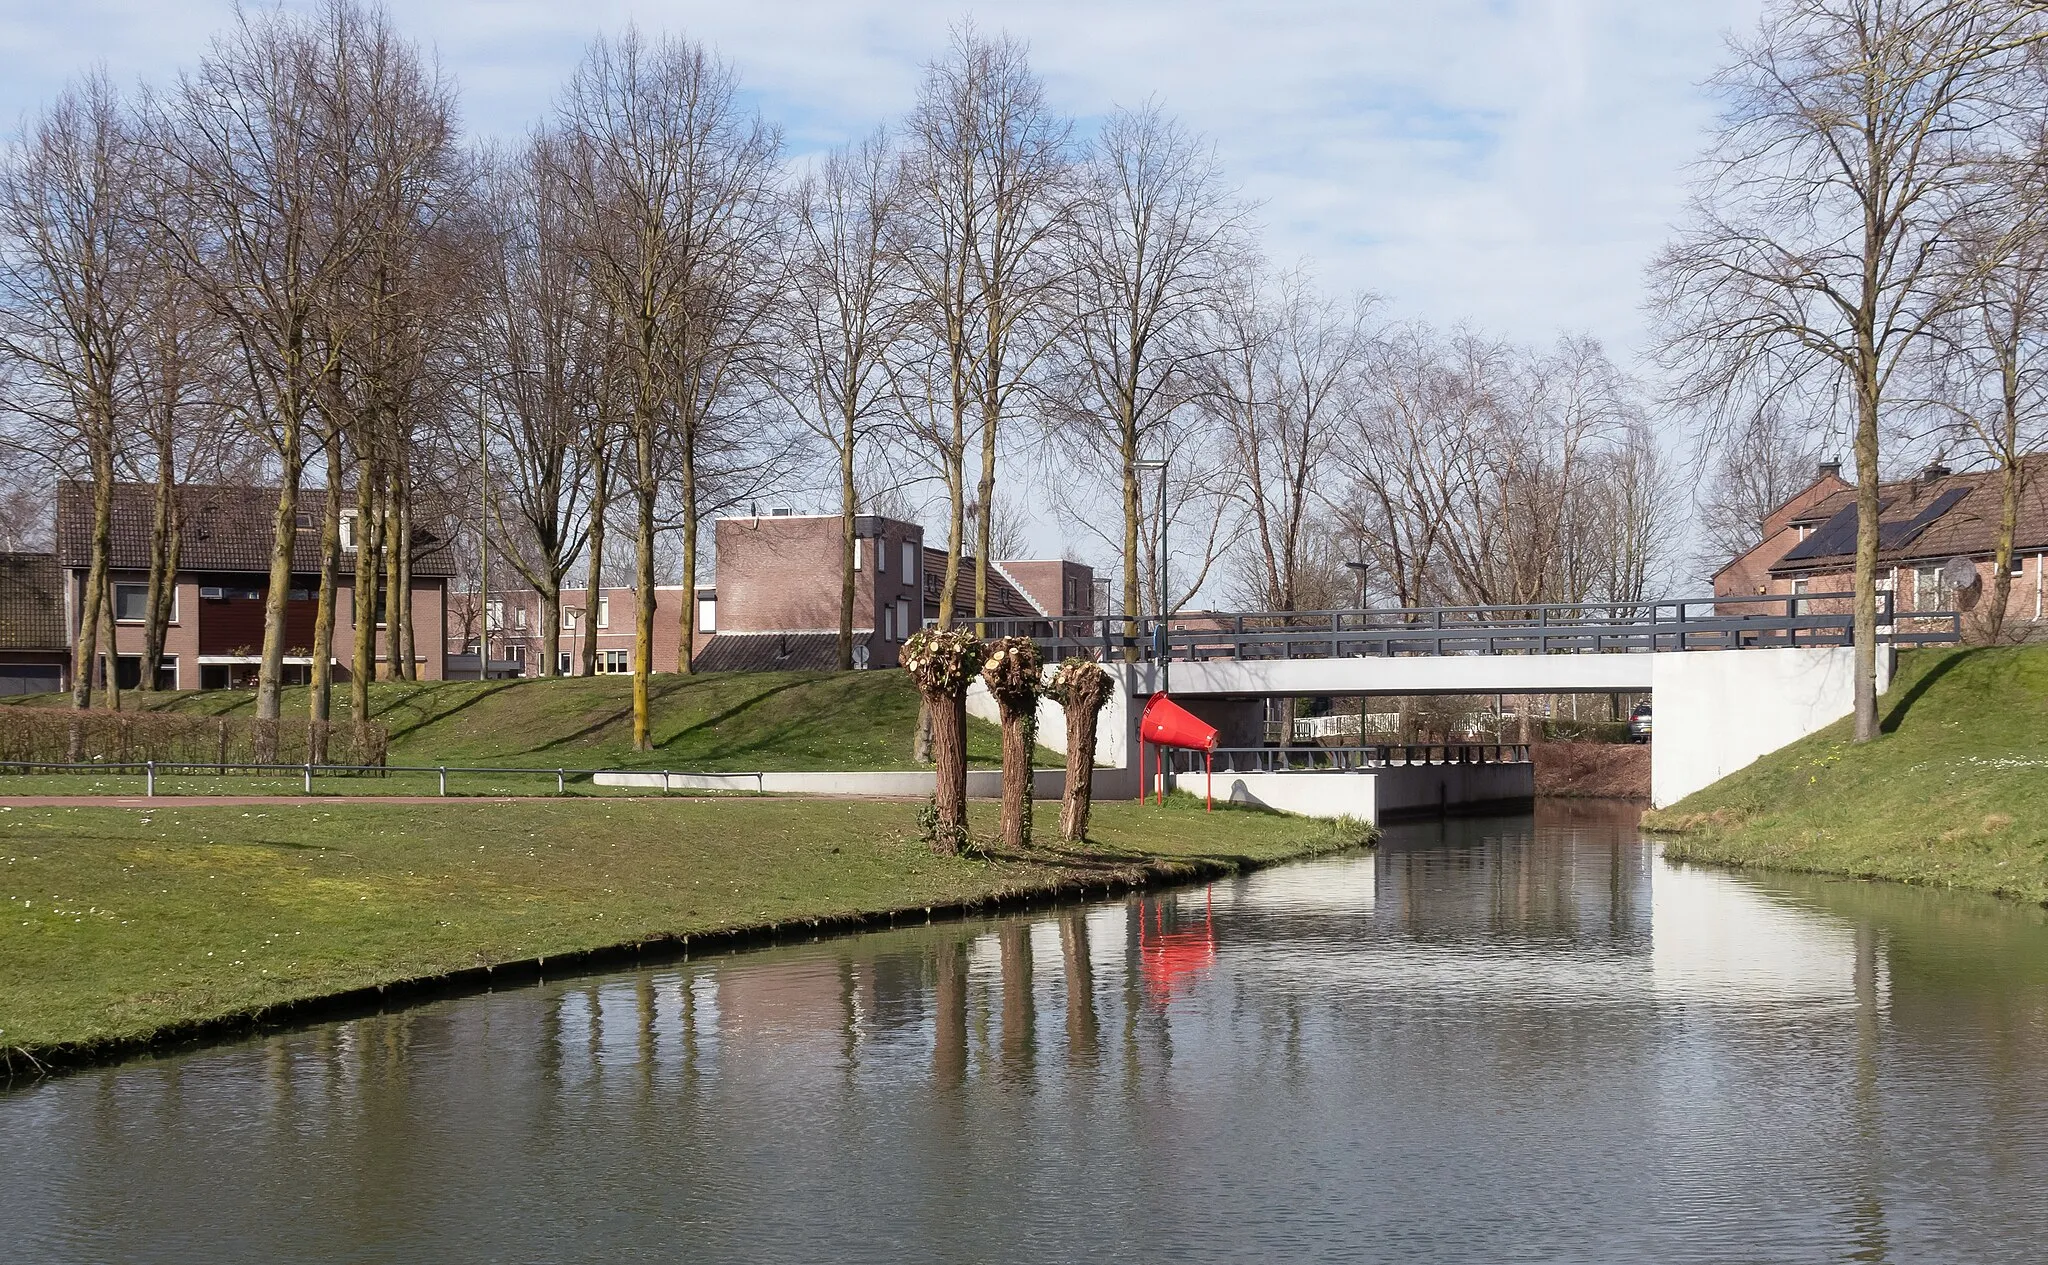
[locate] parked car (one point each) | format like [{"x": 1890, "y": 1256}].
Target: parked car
[{"x": 1639, "y": 723}]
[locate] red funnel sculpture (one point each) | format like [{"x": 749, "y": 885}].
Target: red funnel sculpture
[{"x": 1165, "y": 723}]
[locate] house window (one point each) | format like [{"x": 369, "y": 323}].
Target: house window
[
  {"x": 604, "y": 610},
  {"x": 128, "y": 671},
  {"x": 516, "y": 652},
  {"x": 2019, "y": 563},
  {"x": 494, "y": 616},
  {"x": 707, "y": 614},
  {"x": 131, "y": 603},
  {"x": 1798, "y": 587},
  {"x": 348, "y": 530},
  {"x": 881, "y": 556},
  {"x": 856, "y": 552},
  {"x": 519, "y": 618},
  {"x": 1927, "y": 588},
  {"x": 903, "y": 621},
  {"x": 909, "y": 563},
  {"x": 614, "y": 662},
  {"x": 562, "y": 664}
]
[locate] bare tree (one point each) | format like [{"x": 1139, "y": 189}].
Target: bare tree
[
  {"x": 1755, "y": 466},
  {"x": 1156, "y": 233},
  {"x": 985, "y": 196},
  {"x": 667, "y": 178},
  {"x": 1814, "y": 244},
  {"x": 1281, "y": 390},
  {"x": 844, "y": 310},
  {"x": 256, "y": 214},
  {"x": 71, "y": 250},
  {"x": 542, "y": 330}
]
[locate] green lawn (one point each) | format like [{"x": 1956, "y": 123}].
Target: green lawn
[
  {"x": 1955, "y": 792},
  {"x": 723, "y": 722},
  {"x": 116, "y": 923}
]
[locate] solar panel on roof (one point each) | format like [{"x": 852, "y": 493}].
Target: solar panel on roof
[
  {"x": 1898, "y": 535},
  {"x": 1835, "y": 537}
]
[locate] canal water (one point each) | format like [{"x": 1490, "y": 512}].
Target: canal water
[{"x": 1526, "y": 1039}]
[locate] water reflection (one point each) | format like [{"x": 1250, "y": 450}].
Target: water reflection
[{"x": 1487, "y": 1040}]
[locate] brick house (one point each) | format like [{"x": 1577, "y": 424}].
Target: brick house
[
  {"x": 1925, "y": 523},
  {"x": 775, "y": 605},
  {"x": 35, "y": 656},
  {"x": 215, "y": 636}
]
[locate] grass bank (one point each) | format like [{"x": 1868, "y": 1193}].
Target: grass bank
[
  {"x": 121, "y": 928},
  {"x": 1954, "y": 794},
  {"x": 713, "y": 723}
]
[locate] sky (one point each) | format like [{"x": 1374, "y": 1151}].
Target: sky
[{"x": 1508, "y": 164}]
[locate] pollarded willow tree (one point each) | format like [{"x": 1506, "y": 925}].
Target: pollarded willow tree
[{"x": 1812, "y": 259}]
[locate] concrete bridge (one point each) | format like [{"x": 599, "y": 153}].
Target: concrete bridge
[{"x": 1730, "y": 678}]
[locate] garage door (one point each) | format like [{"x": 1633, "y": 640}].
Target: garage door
[{"x": 30, "y": 678}]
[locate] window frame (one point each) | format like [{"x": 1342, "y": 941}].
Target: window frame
[{"x": 142, "y": 588}]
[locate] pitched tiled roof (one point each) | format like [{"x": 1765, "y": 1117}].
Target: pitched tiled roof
[
  {"x": 31, "y": 602},
  {"x": 1927, "y": 520},
  {"x": 226, "y": 529},
  {"x": 773, "y": 652},
  {"x": 1004, "y": 601}
]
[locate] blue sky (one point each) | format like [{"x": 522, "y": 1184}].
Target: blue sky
[{"x": 1509, "y": 164}]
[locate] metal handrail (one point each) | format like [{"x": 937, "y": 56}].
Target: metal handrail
[
  {"x": 1714, "y": 623},
  {"x": 1343, "y": 759}
]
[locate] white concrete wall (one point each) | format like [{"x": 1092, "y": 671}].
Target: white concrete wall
[
  {"x": 1717, "y": 711},
  {"x": 1425, "y": 788},
  {"x": 1419, "y": 674},
  {"x": 1306, "y": 794}
]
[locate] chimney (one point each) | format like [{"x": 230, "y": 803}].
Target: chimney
[
  {"x": 1935, "y": 470},
  {"x": 1830, "y": 469}
]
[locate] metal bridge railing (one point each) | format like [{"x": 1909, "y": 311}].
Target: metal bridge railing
[
  {"x": 1719, "y": 623},
  {"x": 1344, "y": 759}
]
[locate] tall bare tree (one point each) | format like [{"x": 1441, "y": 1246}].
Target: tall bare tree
[
  {"x": 667, "y": 180},
  {"x": 1815, "y": 234},
  {"x": 71, "y": 258},
  {"x": 986, "y": 198},
  {"x": 258, "y": 215},
  {"x": 844, "y": 312},
  {"x": 1156, "y": 235}
]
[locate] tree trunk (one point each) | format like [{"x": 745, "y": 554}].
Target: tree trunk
[
  {"x": 363, "y": 597},
  {"x": 408, "y": 653},
  {"x": 284, "y": 532},
  {"x": 847, "y": 506},
  {"x": 390, "y": 542},
  {"x": 686, "y": 644},
  {"x": 593, "y": 583},
  {"x": 320, "y": 695},
  {"x": 86, "y": 653},
  {"x": 949, "y": 755},
  {"x": 1083, "y": 701},
  {"x": 1020, "y": 732},
  {"x": 2001, "y": 556},
  {"x": 112, "y": 658},
  {"x": 643, "y": 597},
  {"x": 1134, "y": 603},
  {"x": 162, "y": 569},
  {"x": 1867, "y": 509}
]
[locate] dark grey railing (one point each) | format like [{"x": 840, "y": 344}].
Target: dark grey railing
[
  {"x": 1717, "y": 623},
  {"x": 1344, "y": 759},
  {"x": 150, "y": 770}
]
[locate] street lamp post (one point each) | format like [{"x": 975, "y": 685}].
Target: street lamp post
[
  {"x": 1357, "y": 568},
  {"x": 574, "y": 614}
]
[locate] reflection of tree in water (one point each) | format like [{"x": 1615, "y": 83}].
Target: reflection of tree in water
[
  {"x": 1083, "y": 1035},
  {"x": 1020, "y": 1016}
]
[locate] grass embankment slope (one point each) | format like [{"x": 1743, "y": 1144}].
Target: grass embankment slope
[
  {"x": 120, "y": 926},
  {"x": 1955, "y": 792},
  {"x": 713, "y": 723}
]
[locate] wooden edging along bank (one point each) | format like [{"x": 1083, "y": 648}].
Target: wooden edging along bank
[{"x": 33, "y": 1062}]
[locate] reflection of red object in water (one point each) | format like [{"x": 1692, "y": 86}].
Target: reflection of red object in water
[
  {"x": 1167, "y": 959},
  {"x": 1165, "y": 723}
]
